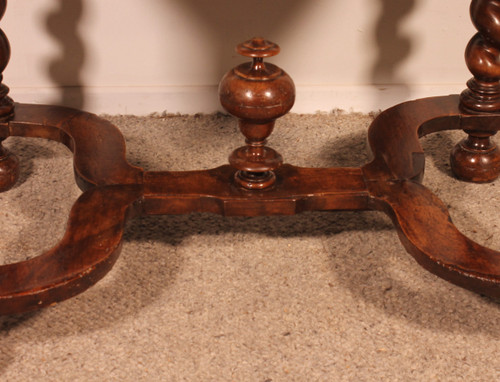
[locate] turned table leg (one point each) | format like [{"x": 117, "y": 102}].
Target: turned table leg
[
  {"x": 477, "y": 158},
  {"x": 9, "y": 165}
]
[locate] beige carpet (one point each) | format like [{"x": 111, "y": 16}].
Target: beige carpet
[{"x": 315, "y": 297}]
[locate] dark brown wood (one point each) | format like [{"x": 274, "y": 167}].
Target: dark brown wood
[
  {"x": 115, "y": 191},
  {"x": 477, "y": 158},
  {"x": 257, "y": 93},
  {"x": 422, "y": 220},
  {"x": 9, "y": 164},
  {"x": 296, "y": 190},
  {"x": 85, "y": 254}
]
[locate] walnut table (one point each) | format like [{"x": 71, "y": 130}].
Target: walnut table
[{"x": 256, "y": 181}]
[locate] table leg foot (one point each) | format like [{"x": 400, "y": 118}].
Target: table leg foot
[{"x": 476, "y": 159}]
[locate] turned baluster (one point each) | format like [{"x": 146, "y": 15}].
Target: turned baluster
[
  {"x": 257, "y": 93},
  {"x": 477, "y": 158},
  {"x": 9, "y": 165}
]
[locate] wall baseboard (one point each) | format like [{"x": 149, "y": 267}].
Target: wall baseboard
[{"x": 204, "y": 99}]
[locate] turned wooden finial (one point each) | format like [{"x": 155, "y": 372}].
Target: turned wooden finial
[
  {"x": 9, "y": 164},
  {"x": 477, "y": 158},
  {"x": 257, "y": 93}
]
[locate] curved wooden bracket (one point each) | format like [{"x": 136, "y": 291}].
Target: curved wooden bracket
[
  {"x": 85, "y": 254},
  {"x": 428, "y": 234},
  {"x": 116, "y": 191},
  {"x": 98, "y": 146}
]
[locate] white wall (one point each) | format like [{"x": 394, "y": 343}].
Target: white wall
[{"x": 143, "y": 56}]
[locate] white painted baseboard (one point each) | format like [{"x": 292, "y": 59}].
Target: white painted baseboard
[{"x": 204, "y": 99}]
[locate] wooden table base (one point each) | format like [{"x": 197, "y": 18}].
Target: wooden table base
[{"x": 258, "y": 184}]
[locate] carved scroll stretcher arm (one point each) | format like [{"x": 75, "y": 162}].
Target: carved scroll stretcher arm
[
  {"x": 428, "y": 234},
  {"x": 85, "y": 254},
  {"x": 94, "y": 230},
  {"x": 423, "y": 222},
  {"x": 98, "y": 146}
]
